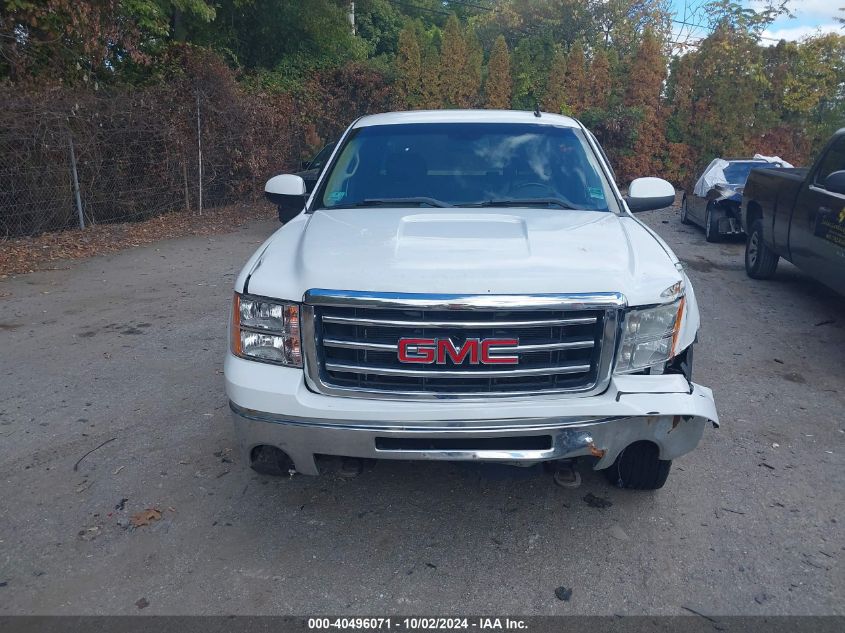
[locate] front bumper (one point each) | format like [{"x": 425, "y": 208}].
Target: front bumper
[{"x": 272, "y": 406}]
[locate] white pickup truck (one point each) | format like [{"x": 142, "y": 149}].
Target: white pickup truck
[{"x": 466, "y": 285}]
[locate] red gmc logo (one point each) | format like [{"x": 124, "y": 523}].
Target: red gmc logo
[{"x": 488, "y": 351}]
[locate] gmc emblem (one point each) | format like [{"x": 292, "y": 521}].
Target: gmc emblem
[{"x": 474, "y": 351}]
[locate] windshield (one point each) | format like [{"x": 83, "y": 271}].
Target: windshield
[
  {"x": 460, "y": 164},
  {"x": 736, "y": 173}
]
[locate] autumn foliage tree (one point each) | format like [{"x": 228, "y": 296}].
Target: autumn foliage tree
[
  {"x": 457, "y": 77},
  {"x": 680, "y": 163},
  {"x": 555, "y": 98},
  {"x": 474, "y": 68},
  {"x": 656, "y": 110},
  {"x": 644, "y": 95},
  {"x": 600, "y": 81},
  {"x": 82, "y": 41},
  {"x": 498, "y": 87},
  {"x": 431, "y": 90},
  {"x": 408, "y": 69},
  {"x": 575, "y": 81}
]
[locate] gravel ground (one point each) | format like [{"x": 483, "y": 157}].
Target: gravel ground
[{"x": 127, "y": 349}]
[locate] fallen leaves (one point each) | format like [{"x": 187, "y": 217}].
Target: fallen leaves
[
  {"x": 145, "y": 517},
  {"x": 27, "y": 254}
]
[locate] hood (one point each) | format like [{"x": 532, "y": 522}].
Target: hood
[{"x": 463, "y": 251}]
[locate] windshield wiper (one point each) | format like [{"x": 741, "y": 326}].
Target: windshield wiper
[
  {"x": 382, "y": 202},
  {"x": 526, "y": 202}
]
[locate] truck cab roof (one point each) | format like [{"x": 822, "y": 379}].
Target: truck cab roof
[{"x": 466, "y": 116}]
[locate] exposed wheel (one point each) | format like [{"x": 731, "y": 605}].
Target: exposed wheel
[
  {"x": 639, "y": 467},
  {"x": 684, "y": 212},
  {"x": 760, "y": 261},
  {"x": 711, "y": 225},
  {"x": 269, "y": 460}
]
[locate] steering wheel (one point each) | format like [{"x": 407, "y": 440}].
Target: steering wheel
[
  {"x": 534, "y": 190},
  {"x": 540, "y": 190}
]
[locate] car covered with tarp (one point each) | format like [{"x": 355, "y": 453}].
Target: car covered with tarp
[{"x": 715, "y": 201}]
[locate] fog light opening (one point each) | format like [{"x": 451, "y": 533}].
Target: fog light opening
[{"x": 271, "y": 460}]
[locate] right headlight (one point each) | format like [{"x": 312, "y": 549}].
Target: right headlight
[
  {"x": 649, "y": 337},
  {"x": 266, "y": 330}
]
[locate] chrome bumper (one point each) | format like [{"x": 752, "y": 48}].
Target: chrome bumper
[{"x": 603, "y": 438}]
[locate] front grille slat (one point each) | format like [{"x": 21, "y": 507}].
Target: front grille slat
[
  {"x": 411, "y": 324},
  {"x": 362, "y": 345},
  {"x": 519, "y": 349},
  {"x": 352, "y": 346},
  {"x": 460, "y": 373}
]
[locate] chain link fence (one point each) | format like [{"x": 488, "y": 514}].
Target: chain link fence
[
  {"x": 87, "y": 167},
  {"x": 76, "y": 159}
]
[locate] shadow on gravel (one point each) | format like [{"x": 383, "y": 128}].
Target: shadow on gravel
[
  {"x": 483, "y": 493},
  {"x": 705, "y": 265},
  {"x": 802, "y": 287}
]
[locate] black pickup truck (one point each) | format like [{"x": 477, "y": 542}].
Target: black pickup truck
[{"x": 798, "y": 214}]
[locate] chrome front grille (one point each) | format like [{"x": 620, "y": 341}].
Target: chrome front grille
[{"x": 565, "y": 343}]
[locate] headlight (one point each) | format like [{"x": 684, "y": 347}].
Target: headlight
[
  {"x": 266, "y": 331},
  {"x": 649, "y": 337}
]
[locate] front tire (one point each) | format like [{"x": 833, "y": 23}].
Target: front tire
[
  {"x": 760, "y": 261},
  {"x": 639, "y": 467},
  {"x": 711, "y": 225}
]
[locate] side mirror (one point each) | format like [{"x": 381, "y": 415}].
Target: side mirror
[
  {"x": 646, "y": 194},
  {"x": 288, "y": 192},
  {"x": 835, "y": 182}
]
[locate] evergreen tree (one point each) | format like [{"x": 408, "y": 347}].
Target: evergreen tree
[
  {"x": 455, "y": 85},
  {"x": 575, "y": 81},
  {"x": 431, "y": 93},
  {"x": 474, "y": 68},
  {"x": 555, "y": 99},
  {"x": 680, "y": 165},
  {"x": 644, "y": 95},
  {"x": 498, "y": 88},
  {"x": 600, "y": 81},
  {"x": 530, "y": 64},
  {"x": 408, "y": 68}
]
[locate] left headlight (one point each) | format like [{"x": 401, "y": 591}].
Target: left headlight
[
  {"x": 266, "y": 331},
  {"x": 649, "y": 337}
]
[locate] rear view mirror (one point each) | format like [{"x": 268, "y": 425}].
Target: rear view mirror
[
  {"x": 835, "y": 182},
  {"x": 288, "y": 192},
  {"x": 646, "y": 194}
]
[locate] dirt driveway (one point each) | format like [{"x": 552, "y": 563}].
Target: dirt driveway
[{"x": 127, "y": 350}]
